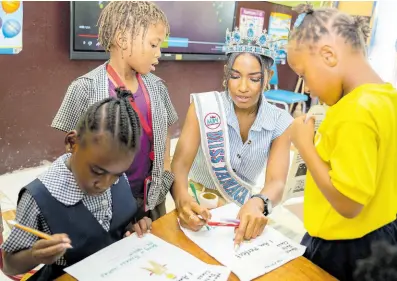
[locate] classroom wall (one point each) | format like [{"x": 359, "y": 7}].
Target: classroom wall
[
  {"x": 356, "y": 8},
  {"x": 33, "y": 84}
]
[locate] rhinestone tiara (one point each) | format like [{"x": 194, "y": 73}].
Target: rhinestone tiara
[{"x": 262, "y": 44}]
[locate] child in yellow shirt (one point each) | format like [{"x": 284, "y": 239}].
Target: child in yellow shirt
[{"x": 351, "y": 186}]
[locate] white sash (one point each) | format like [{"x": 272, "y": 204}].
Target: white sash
[{"x": 211, "y": 116}]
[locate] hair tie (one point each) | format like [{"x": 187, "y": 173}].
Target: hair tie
[
  {"x": 302, "y": 10},
  {"x": 123, "y": 93},
  {"x": 299, "y": 20}
]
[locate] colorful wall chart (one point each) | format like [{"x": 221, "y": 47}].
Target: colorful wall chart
[
  {"x": 279, "y": 26},
  {"x": 316, "y": 4},
  {"x": 250, "y": 18},
  {"x": 11, "y": 22}
]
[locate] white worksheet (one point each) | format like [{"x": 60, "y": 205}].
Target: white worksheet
[
  {"x": 254, "y": 258},
  {"x": 148, "y": 259}
]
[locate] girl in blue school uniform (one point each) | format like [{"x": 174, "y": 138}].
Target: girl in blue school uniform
[
  {"x": 83, "y": 200},
  {"x": 351, "y": 185}
]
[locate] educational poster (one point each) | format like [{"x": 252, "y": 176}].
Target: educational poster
[
  {"x": 11, "y": 22},
  {"x": 254, "y": 258},
  {"x": 279, "y": 26},
  {"x": 253, "y": 19},
  {"x": 316, "y": 4}
]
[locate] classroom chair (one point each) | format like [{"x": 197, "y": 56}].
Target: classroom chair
[{"x": 283, "y": 97}]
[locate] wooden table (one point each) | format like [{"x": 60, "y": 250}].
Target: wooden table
[{"x": 167, "y": 228}]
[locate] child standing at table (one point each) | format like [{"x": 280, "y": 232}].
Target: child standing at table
[
  {"x": 83, "y": 200},
  {"x": 132, "y": 32},
  {"x": 351, "y": 188}
]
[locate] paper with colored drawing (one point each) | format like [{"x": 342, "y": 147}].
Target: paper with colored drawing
[
  {"x": 148, "y": 258},
  {"x": 254, "y": 258}
]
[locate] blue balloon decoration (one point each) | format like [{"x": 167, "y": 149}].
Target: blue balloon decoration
[
  {"x": 1, "y": 22},
  {"x": 11, "y": 28}
]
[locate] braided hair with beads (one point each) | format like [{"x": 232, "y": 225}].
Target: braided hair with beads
[
  {"x": 316, "y": 23},
  {"x": 113, "y": 115},
  {"x": 128, "y": 17}
]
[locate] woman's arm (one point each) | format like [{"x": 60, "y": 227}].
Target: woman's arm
[
  {"x": 252, "y": 220},
  {"x": 277, "y": 168},
  {"x": 185, "y": 153},
  {"x": 186, "y": 150}
]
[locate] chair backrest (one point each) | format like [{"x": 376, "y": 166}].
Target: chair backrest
[{"x": 274, "y": 80}]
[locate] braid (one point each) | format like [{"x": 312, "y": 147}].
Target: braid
[
  {"x": 90, "y": 120},
  {"x": 323, "y": 21},
  {"x": 135, "y": 126},
  {"x": 128, "y": 17},
  {"x": 130, "y": 124},
  {"x": 112, "y": 118},
  {"x": 120, "y": 120}
]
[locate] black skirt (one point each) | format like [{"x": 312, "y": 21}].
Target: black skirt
[{"x": 339, "y": 257}]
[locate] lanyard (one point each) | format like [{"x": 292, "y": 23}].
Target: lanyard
[{"x": 147, "y": 126}]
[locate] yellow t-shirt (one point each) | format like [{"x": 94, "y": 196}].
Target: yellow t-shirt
[{"x": 358, "y": 140}]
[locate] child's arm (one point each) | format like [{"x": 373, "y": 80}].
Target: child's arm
[
  {"x": 320, "y": 173},
  {"x": 172, "y": 118},
  {"x": 167, "y": 157},
  {"x": 348, "y": 182},
  {"x": 42, "y": 252},
  {"x": 24, "y": 251}
]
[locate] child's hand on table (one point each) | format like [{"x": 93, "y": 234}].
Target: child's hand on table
[
  {"x": 49, "y": 251},
  {"x": 141, "y": 227}
]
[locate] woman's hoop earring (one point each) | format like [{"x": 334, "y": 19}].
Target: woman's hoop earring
[{"x": 224, "y": 83}]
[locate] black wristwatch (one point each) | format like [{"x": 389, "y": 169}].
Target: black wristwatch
[{"x": 267, "y": 203}]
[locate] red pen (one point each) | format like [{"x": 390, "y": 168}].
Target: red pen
[{"x": 215, "y": 223}]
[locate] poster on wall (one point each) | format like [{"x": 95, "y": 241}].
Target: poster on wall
[
  {"x": 11, "y": 21},
  {"x": 315, "y": 4},
  {"x": 279, "y": 26},
  {"x": 250, "y": 18}
]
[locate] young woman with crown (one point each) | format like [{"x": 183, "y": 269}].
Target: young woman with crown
[{"x": 230, "y": 137}]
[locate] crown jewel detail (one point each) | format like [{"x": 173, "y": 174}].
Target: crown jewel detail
[{"x": 261, "y": 44}]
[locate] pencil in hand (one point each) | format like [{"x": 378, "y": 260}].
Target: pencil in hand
[
  {"x": 197, "y": 200},
  {"x": 33, "y": 231}
]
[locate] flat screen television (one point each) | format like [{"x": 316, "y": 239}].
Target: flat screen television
[{"x": 197, "y": 29}]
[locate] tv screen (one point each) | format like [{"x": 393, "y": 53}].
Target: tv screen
[{"x": 197, "y": 29}]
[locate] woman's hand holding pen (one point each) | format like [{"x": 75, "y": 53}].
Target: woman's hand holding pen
[
  {"x": 189, "y": 211},
  {"x": 48, "y": 251}
]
